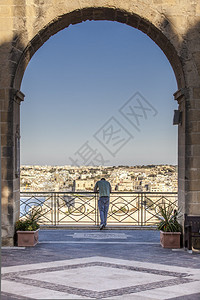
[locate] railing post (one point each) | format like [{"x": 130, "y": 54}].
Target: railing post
[
  {"x": 51, "y": 206},
  {"x": 144, "y": 209},
  {"x": 96, "y": 209},
  {"x": 141, "y": 209},
  {"x": 54, "y": 208},
  {"x": 57, "y": 208}
]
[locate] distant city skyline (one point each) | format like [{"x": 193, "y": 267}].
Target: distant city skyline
[
  {"x": 98, "y": 93},
  {"x": 144, "y": 178}
]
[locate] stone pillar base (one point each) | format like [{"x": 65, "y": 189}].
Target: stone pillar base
[{"x": 7, "y": 242}]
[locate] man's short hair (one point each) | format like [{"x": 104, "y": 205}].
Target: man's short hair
[{"x": 102, "y": 178}]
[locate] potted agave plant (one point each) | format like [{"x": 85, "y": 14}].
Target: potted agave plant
[
  {"x": 170, "y": 228},
  {"x": 28, "y": 229}
]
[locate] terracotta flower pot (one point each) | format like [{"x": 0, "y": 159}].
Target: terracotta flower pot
[
  {"x": 27, "y": 238},
  {"x": 170, "y": 239}
]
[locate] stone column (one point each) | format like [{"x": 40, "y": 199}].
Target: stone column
[
  {"x": 189, "y": 151},
  {"x": 193, "y": 154},
  {"x": 10, "y": 162},
  {"x": 180, "y": 97}
]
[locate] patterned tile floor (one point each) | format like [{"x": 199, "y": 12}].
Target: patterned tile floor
[{"x": 69, "y": 264}]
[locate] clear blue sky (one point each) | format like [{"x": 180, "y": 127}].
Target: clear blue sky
[{"x": 79, "y": 79}]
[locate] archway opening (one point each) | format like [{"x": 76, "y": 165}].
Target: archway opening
[
  {"x": 143, "y": 82},
  {"x": 97, "y": 64}
]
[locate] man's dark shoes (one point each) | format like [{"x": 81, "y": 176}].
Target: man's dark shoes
[{"x": 101, "y": 226}]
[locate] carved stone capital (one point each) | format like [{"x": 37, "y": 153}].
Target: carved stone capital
[
  {"x": 19, "y": 97},
  {"x": 179, "y": 95}
]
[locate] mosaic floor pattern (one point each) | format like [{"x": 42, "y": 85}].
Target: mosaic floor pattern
[{"x": 99, "y": 278}]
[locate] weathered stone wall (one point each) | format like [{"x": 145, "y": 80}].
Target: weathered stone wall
[{"x": 173, "y": 24}]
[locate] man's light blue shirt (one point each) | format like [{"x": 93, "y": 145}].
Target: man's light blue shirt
[{"x": 103, "y": 187}]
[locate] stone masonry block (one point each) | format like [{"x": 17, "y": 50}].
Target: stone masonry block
[
  {"x": 19, "y": 2},
  {"x": 7, "y": 174},
  {"x": 194, "y": 196},
  {"x": 7, "y": 106},
  {"x": 195, "y": 104},
  {"x": 6, "y": 163},
  {"x": 194, "y": 115},
  {"x": 6, "y": 141},
  {"x": 194, "y": 174},
  {"x": 2, "y": 94},
  {"x": 193, "y": 185},
  {"x": 181, "y": 173},
  {"x": 110, "y": 14},
  {"x": 7, "y": 241},
  {"x": 16, "y": 185},
  {"x": 99, "y": 14},
  {"x": 6, "y": 11},
  {"x": 15, "y": 54},
  {"x": 6, "y": 151},
  {"x": 6, "y": 23},
  {"x": 196, "y": 93},
  {"x": 193, "y": 209},
  {"x": 7, "y": 185},
  {"x": 193, "y": 126},
  {"x": 87, "y": 14},
  {"x": 144, "y": 26},
  {"x": 19, "y": 11},
  {"x": 193, "y": 162},
  {"x": 121, "y": 17},
  {"x": 193, "y": 139},
  {"x": 1, "y": 105},
  {"x": 6, "y": 128},
  {"x": 6, "y": 2},
  {"x": 6, "y": 116},
  {"x": 196, "y": 150},
  {"x": 9, "y": 228},
  {"x": 181, "y": 184}
]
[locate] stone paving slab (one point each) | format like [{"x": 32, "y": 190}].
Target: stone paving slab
[
  {"x": 69, "y": 264},
  {"x": 190, "y": 297},
  {"x": 99, "y": 278},
  {"x": 141, "y": 245}
]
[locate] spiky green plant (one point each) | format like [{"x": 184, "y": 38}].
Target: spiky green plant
[
  {"x": 29, "y": 223},
  {"x": 168, "y": 219}
]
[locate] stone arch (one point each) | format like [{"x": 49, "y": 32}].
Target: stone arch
[
  {"x": 172, "y": 25},
  {"x": 157, "y": 34}
]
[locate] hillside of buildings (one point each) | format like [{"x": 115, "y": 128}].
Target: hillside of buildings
[{"x": 150, "y": 178}]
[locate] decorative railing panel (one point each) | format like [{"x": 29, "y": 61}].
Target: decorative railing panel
[{"x": 81, "y": 208}]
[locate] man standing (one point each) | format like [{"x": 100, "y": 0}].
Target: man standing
[{"x": 104, "y": 188}]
